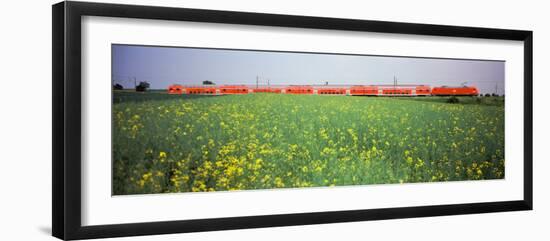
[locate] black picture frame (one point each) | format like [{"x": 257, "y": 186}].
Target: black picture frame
[{"x": 66, "y": 158}]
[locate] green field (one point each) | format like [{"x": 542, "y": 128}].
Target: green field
[{"x": 172, "y": 143}]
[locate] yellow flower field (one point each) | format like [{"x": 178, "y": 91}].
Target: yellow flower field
[{"x": 165, "y": 143}]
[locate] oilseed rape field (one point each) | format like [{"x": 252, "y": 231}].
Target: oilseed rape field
[{"x": 176, "y": 143}]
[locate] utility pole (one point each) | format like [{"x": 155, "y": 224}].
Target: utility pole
[{"x": 256, "y": 81}]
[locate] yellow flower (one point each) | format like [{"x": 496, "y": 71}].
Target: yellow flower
[
  {"x": 162, "y": 155},
  {"x": 279, "y": 182},
  {"x": 146, "y": 176},
  {"x": 409, "y": 160}
]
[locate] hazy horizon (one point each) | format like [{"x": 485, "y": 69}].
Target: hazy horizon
[{"x": 163, "y": 66}]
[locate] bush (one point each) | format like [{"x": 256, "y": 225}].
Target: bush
[
  {"x": 143, "y": 86},
  {"x": 453, "y": 100},
  {"x": 118, "y": 87}
]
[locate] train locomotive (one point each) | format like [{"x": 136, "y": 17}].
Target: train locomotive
[{"x": 353, "y": 90}]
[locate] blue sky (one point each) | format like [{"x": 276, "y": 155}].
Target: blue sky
[{"x": 162, "y": 66}]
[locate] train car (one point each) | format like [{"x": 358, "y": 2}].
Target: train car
[
  {"x": 234, "y": 89},
  {"x": 397, "y": 91},
  {"x": 423, "y": 90},
  {"x": 201, "y": 90},
  {"x": 299, "y": 90},
  {"x": 267, "y": 90},
  {"x": 175, "y": 89},
  {"x": 458, "y": 91},
  {"x": 331, "y": 91},
  {"x": 363, "y": 90}
]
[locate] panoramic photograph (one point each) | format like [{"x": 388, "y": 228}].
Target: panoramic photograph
[{"x": 203, "y": 120}]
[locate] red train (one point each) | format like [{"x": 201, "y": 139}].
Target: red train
[
  {"x": 364, "y": 90},
  {"x": 354, "y": 90},
  {"x": 464, "y": 90},
  {"x": 332, "y": 91},
  {"x": 299, "y": 90},
  {"x": 175, "y": 89},
  {"x": 234, "y": 89},
  {"x": 201, "y": 90},
  {"x": 267, "y": 90}
]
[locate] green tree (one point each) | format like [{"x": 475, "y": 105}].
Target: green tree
[
  {"x": 118, "y": 87},
  {"x": 143, "y": 86}
]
